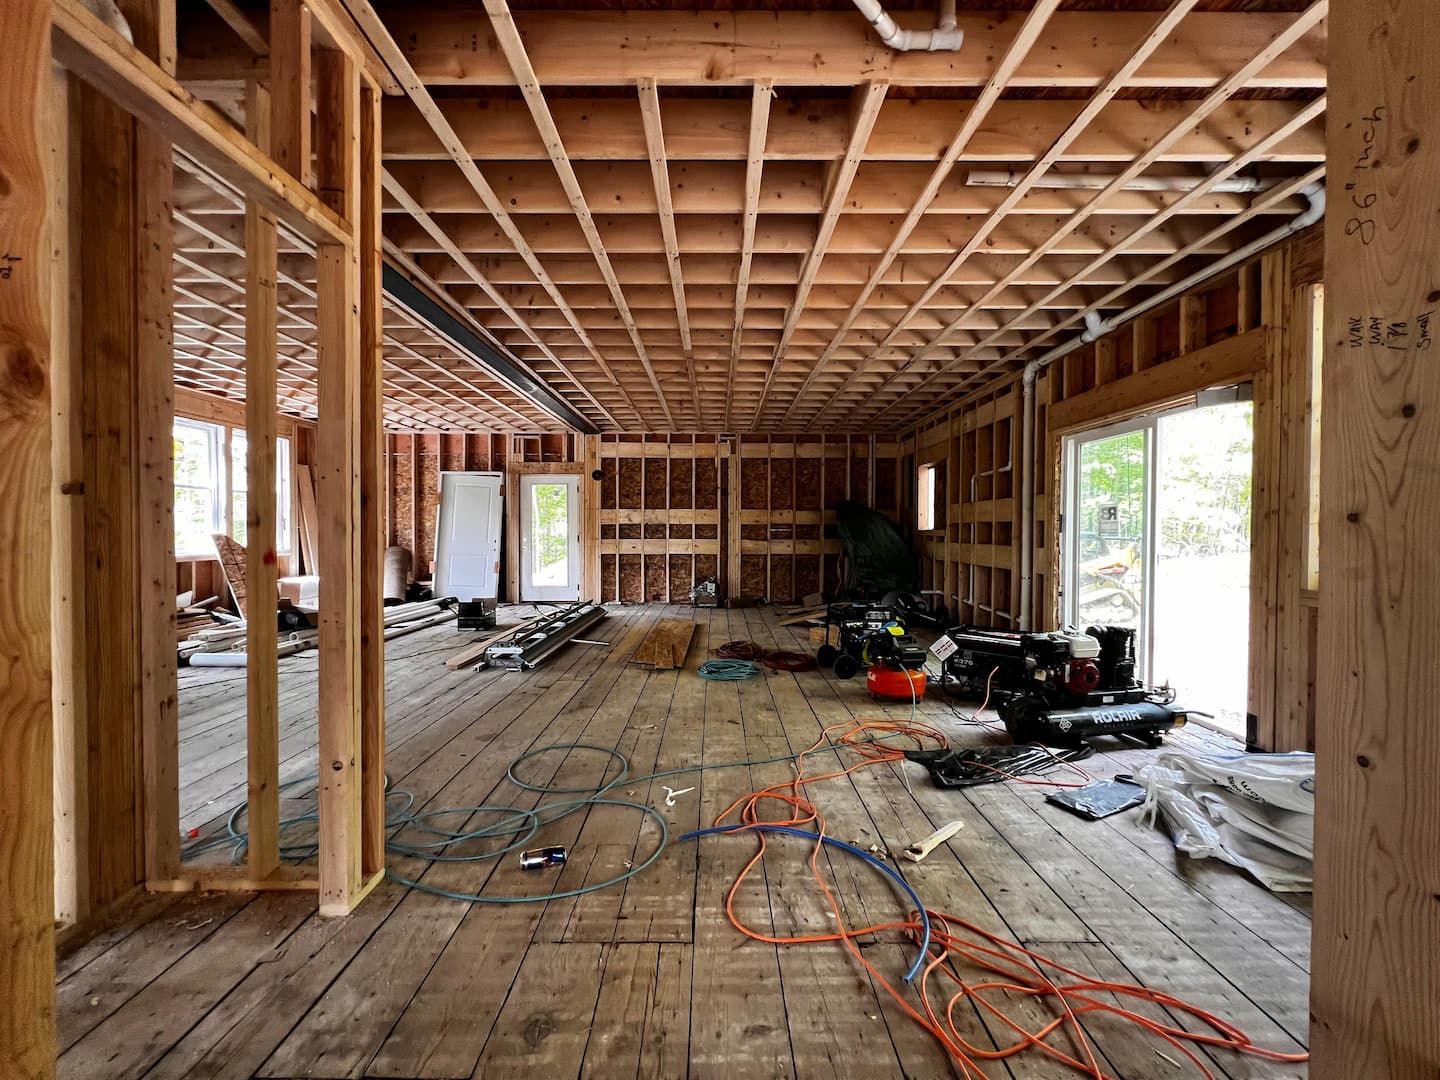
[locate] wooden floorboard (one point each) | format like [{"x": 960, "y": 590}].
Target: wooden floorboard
[{"x": 649, "y": 978}]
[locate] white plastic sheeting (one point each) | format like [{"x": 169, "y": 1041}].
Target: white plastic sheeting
[{"x": 1255, "y": 811}]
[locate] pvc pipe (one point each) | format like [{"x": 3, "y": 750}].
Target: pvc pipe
[
  {"x": 418, "y": 624},
  {"x": 942, "y": 38},
  {"x": 1095, "y": 329},
  {"x": 1095, "y": 181}
]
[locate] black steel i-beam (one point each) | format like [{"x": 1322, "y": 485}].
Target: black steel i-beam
[{"x": 524, "y": 382}]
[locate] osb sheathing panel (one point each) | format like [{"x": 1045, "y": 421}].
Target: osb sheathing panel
[
  {"x": 632, "y": 584},
  {"x": 680, "y": 579},
  {"x": 609, "y": 494},
  {"x": 707, "y": 566},
  {"x": 682, "y": 484},
  {"x": 656, "y": 483},
  {"x": 754, "y": 483},
  {"x": 452, "y": 453},
  {"x": 707, "y": 485},
  {"x": 782, "y": 578},
  {"x": 782, "y": 476},
  {"x": 609, "y": 584},
  {"x": 807, "y": 484},
  {"x": 752, "y": 576},
  {"x": 655, "y": 530},
  {"x": 837, "y": 477},
  {"x": 807, "y": 576},
  {"x": 632, "y": 484},
  {"x": 429, "y": 501},
  {"x": 655, "y": 578}
]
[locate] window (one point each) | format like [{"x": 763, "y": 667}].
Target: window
[
  {"x": 239, "y": 487},
  {"x": 209, "y": 463},
  {"x": 925, "y": 500},
  {"x": 199, "y": 486}
]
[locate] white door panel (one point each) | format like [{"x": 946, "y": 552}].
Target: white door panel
[{"x": 467, "y": 536}]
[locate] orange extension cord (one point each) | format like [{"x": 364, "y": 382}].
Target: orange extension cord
[{"x": 1012, "y": 969}]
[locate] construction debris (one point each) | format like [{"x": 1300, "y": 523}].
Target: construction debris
[{"x": 666, "y": 644}]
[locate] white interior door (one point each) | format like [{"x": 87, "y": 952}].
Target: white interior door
[
  {"x": 549, "y": 537},
  {"x": 467, "y": 536}
]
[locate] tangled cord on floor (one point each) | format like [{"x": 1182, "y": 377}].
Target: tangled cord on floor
[{"x": 944, "y": 943}]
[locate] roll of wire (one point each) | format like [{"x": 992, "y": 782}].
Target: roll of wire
[
  {"x": 781, "y": 660},
  {"x": 739, "y": 650}
]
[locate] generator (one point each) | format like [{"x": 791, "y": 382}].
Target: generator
[
  {"x": 867, "y": 636},
  {"x": 1058, "y": 687}
]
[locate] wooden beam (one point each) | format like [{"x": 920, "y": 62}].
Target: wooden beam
[
  {"x": 152, "y": 23},
  {"x": 67, "y": 515},
  {"x": 372, "y": 493},
  {"x": 1224, "y": 90},
  {"x": 291, "y": 81},
  {"x": 116, "y": 68},
  {"x": 608, "y": 48},
  {"x": 337, "y": 468},
  {"x": 865, "y": 109},
  {"x": 1377, "y": 850},
  {"x": 1229, "y": 361},
  {"x": 759, "y": 125},
  {"x": 513, "y": 48},
  {"x": 995, "y": 84},
  {"x": 239, "y": 22},
  {"x": 371, "y": 25},
  {"x": 27, "y": 1007},
  {"x": 262, "y": 683},
  {"x": 660, "y": 176}
]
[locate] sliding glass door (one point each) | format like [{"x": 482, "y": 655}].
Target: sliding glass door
[{"x": 1156, "y": 536}]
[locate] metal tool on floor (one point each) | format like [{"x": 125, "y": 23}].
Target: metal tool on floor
[{"x": 529, "y": 646}]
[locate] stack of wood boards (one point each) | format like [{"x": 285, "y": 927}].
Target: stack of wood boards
[{"x": 666, "y": 644}]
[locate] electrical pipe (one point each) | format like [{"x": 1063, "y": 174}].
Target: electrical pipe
[
  {"x": 945, "y": 37},
  {"x": 1096, "y": 182},
  {"x": 1097, "y": 328}
]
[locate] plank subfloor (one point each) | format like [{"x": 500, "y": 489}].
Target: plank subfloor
[{"x": 649, "y": 978}]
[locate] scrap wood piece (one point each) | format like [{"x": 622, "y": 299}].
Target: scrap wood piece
[
  {"x": 473, "y": 653},
  {"x": 666, "y": 645},
  {"x": 233, "y": 565},
  {"x": 803, "y": 617},
  {"x": 309, "y": 518}
]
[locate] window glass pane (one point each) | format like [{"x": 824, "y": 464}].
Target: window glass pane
[
  {"x": 239, "y": 489},
  {"x": 549, "y": 509},
  {"x": 198, "y": 483}
]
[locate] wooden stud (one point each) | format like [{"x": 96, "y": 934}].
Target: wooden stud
[
  {"x": 338, "y": 490},
  {"x": 262, "y": 679},
  {"x": 372, "y": 490},
  {"x": 1192, "y": 322},
  {"x": 27, "y": 1007},
  {"x": 67, "y": 517},
  {"x": 1377, "y": 920},
  {"x": 291, "y": 88},
  {"x": 124, "y": 74}
]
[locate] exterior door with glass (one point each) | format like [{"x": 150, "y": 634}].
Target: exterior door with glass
[{"x": 549, "y": 537}]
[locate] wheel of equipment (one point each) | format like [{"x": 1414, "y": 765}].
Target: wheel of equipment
[
  {"x": 826, "y": 654},
  {"x": 846, "y": 666}
]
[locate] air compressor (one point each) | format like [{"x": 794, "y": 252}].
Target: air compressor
[
  {"x": 1059, "y": 687},
  {"x": 873, "y": 636}
]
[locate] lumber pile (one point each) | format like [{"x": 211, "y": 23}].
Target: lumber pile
[{"x": 666, "y": 644}]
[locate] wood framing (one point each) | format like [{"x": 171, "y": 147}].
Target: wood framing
[
  {"x": 27, "y": 1008},
  {"x": 337, "y": 489},
  {"x": 372, "y": 491},
  {"x": 1377, "y": 848},
  {"x": 261, "y": 676}
]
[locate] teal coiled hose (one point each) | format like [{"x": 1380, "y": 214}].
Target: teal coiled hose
[{"x": 728, "y": 670}]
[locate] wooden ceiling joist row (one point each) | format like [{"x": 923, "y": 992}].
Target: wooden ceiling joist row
[{"x": 714, "y": 220}]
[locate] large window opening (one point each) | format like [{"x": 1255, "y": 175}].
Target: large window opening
[
  {"x": 1157, "y": 538},
  {"x": 212, "y": 488}
]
